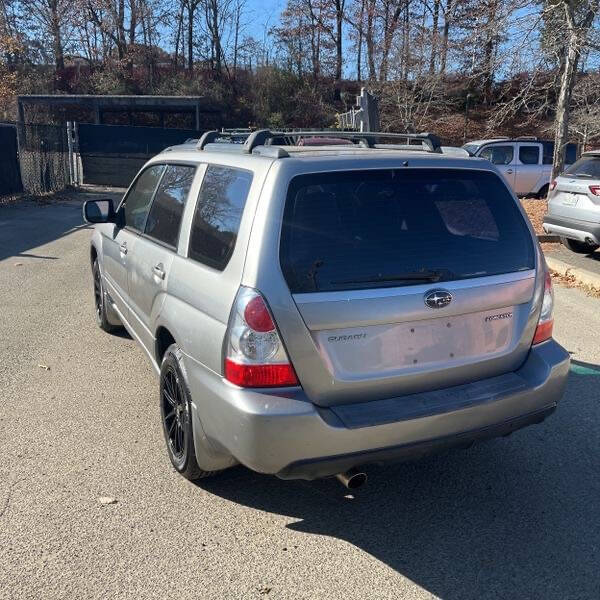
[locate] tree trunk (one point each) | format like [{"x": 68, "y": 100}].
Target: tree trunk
[
  {"x": 434, "y": 36},
  {"x": 339, "y": 59},
  {"x": 406, "y": 41},
  {"x": 391, "y": 25},
  {"x": 57, "y": 45},
  {"x": 369, "y": 39},
  {"x": 561, "y": 123},
  {"x": 360, "y": 41},
  {"x": 190, "y": 40},
  {"x": 178, "y": 38},
  {"x": 236, "y": 38},
  {"x": 577, "y": 36},
  {"x": 133, "y": 18},
  {"x": 444, "y": 52}
]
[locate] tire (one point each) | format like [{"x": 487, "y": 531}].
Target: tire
[
  {"x": 100, "y": 301},
  {"x": 176, "y": 416},
  {"x": 543, "y": 193},
  {"x": 577, "y": 246}
]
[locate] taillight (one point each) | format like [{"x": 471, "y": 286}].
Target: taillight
[
  {"x": 255, "y": 355},
  {"x": 543, "y": 331},
  {"x": 552, "y": 185},
  {"x": 595, "y": 189}
]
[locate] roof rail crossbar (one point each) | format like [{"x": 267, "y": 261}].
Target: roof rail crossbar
[
  {"x": 260, "y": 137},
  {"x": 370, "y": 139},
  {"x": 208, "y": 137},
  {"x": 430, "y": 140}
]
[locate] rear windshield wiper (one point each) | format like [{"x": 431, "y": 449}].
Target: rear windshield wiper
[
  {"x": 582, "y": 175},
  {"x": 410, "y": 276}
]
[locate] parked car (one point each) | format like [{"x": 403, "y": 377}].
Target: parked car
[
  {"x": 525, "y": 163},
  {"x": 309, "y": 310},
  {"x": 574, "y": 205}
]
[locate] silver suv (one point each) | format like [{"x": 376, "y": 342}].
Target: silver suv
[
  {"x": 525, "y": 163},
  {"x": 574, "y": 205},
  {"x": 309, "y": 310}
]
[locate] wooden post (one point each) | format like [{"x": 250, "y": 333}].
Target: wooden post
[{"x": 70, "y": 150}]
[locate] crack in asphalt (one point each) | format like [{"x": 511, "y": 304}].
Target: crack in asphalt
[{"x": 11, "y": 488}]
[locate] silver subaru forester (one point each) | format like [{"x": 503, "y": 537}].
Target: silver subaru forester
[{"x": 310, "y": 309}]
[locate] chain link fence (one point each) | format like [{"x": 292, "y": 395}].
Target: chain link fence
[{"x": 43, "y": 157}]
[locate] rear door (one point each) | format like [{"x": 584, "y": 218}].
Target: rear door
[
  {"x": 155, "y": 250},
  {"x": 406, "y": 280},
  {"x": 503, "y": 156},
  {"x": 529, "y": 168}
]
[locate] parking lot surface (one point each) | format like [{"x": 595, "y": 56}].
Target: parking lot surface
[
  {"x": 590, "y": 262},
  {"x": 79, "y": 422}
]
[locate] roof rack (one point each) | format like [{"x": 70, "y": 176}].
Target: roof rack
[{"x": 266, "y": 137}]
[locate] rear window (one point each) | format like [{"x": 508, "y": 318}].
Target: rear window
[
  {"x": 586, "y": 167},
  {"x": 548, "y": 157},
  {"x": 529, "y": 155},
  {"x": 365, "y": 229}
]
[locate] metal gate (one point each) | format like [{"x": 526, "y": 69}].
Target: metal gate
[
  {"x": 43, "y": 157},
  {"x": 10, "y": 175}
]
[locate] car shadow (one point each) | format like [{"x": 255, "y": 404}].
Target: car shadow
[
  {"x": 29, "y": 224},
  {"x": 511, "y": 518}
]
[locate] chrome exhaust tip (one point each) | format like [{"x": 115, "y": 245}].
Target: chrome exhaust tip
[{"x": 352, "y": 479}]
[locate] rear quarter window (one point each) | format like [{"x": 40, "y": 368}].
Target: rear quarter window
[
  {"x": 218, "y": 214},
  {"x": 364, "y": 229}
]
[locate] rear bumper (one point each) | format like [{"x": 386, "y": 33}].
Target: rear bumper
[
  {"x": 574, "y": 229},
  {"x": 283, "y": 433}
]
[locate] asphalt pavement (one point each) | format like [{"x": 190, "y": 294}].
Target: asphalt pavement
[
  {"x": 512, "y": 518},
  {"x": 589, "y": 262}
]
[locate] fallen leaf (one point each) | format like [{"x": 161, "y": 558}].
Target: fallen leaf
[
  {"x": 106, "y": 500},
  {"x": 45, "y": 367}
]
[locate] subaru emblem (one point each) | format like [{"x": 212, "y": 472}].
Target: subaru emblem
[{"x": 438, "y": 298}]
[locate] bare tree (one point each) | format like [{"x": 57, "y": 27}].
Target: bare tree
[{"x": 578, "y": 19}]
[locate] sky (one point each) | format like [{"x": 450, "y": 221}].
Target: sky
[{"x": 261, "y": 15}]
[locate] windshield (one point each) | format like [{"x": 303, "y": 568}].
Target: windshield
[
  {"x": 471, "y": 148},
  {"x": 586, "y": 166},
  {"x": 384, "y": 228}
]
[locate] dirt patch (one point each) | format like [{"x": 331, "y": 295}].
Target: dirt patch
[
  {"x": 569, "y": 280},
  {"x": 49, "y": 198},
  {"x": 535, "y": 209}
]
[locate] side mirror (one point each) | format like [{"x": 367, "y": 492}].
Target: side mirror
[{"x": 99, "y": 211}]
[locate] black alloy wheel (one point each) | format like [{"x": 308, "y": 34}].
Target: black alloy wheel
[
  {"x": 98, "y": 295},
  {"x": 175, "y": 414}
]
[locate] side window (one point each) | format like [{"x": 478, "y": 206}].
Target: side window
[
  {"x": 218, "y": 213},
  {"x": 498, "y": 155},
  {"x": 529, "y": 155},
  {"x": 137, "y": 202},
  {"x": 165, "y": 215},
  {"x": 548, "y": 153}
]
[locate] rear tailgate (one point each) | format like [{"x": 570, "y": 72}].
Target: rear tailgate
[
  {"x": 573, "y": 196},
  {"x": 406, "y": 280}
]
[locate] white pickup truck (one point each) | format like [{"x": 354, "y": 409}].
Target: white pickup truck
[{"x": 526, "y": 163}]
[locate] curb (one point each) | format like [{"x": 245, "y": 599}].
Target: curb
[{"x": 581, "y": 275}]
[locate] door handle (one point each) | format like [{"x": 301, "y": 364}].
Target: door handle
[
  {"x": 123, "y": 248},
  {"x": 509, "y": 171},
  {"x": 159, "y": 271}
]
